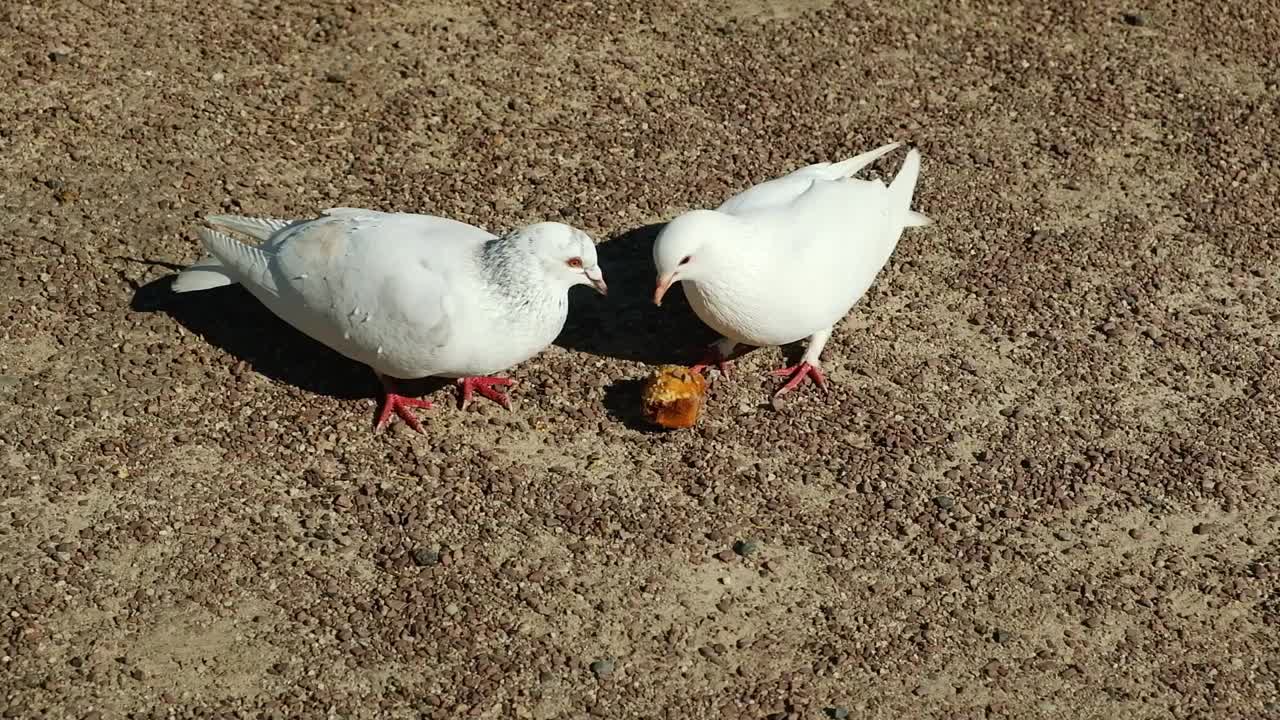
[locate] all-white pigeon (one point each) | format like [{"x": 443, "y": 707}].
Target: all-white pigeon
[
  {"x": 788, "y": 258},
  {"x": 410, "y": 296}
]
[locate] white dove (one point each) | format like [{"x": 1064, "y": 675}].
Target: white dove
[
  {"x": 788, "y": 258},
  {"x": 410, "y": 296}
]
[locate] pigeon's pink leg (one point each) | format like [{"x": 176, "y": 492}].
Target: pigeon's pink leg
[
  {"x": 807, "y": 367},
  {"x": 711, "y": 357},
  {"x": 393, "y": 401},
  {"x": 485, "y": 386},
  {"x": 798, "y": 373},
  {"x": 717, "y": 354}
]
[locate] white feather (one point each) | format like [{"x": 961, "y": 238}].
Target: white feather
[
  {"x": 407, "y": 295},
  {"x": 787, "y": 259},
  {"x": 203, "y": 274},
  {"x": 256, "y": 228}
]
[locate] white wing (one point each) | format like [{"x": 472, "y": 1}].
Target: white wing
[
  {"x": 839, "y": 234},
  {"x": 385, "y": 280},
  {"x": 378, "y": 287},
  {"x": 780, "y": 191}
]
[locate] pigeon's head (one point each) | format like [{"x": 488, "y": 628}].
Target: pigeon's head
[
  {"x": 685, "y": 249},
  {"x": 567, "y": 254}
]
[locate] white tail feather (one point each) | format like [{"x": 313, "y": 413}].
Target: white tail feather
[
  {"x": 203, "y": 274},
  {"x": 918, "y": 219},
  {"x": 850, "y": 167},
  {"x": 237, "y": 256},
  {"x": 903, "y": 187},
  {"x": 256, "y": 228}
]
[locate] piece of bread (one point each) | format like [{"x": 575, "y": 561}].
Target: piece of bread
[{"x": 673, "y": 397}]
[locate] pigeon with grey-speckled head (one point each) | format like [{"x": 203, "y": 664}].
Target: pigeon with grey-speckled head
[{"x": 409, "y": 295}]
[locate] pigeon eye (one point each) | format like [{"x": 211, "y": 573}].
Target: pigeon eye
[
  {"x": 575, "y": 262},
  {"x": 686, "y": 259}
]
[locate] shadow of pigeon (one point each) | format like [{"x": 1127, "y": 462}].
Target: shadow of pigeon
[
  {"x": 627, "y": 325},
  {"x": 622, "y": 403},
  {"x": 233, "y": 320}
]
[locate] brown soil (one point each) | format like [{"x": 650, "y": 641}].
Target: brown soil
[{"x": 1044, "y": 485}]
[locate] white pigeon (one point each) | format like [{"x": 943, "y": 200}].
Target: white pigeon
[
  {"x": 788, "y": 258},
  {"x": 410, "y": 296}
]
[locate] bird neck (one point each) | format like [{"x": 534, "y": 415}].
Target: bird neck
[
  {"x": 728, "y": 278},
  {"x": 513, "y": 272}
]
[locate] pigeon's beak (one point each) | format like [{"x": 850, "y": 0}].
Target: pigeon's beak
[
  {"x": 664, "y": 284},
  {"x": 597, "y": 281}
]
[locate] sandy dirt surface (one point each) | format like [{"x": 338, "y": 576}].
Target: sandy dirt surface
[{"x": 1044, "y": 485}]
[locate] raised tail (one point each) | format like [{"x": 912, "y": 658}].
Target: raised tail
[
  {"x": 850, "y": 167},
  {"x": 257, "y": 228},
  {"x": 916, "y": 219},
  {"x": 227, "y": 259},
  {"x": 903, "y": 188}
]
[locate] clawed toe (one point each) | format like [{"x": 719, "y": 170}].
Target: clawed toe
[
  {"x": 487, "y": 387},
  {"x": 798, "y": 373},
  {"x": 403, "y": 407}
]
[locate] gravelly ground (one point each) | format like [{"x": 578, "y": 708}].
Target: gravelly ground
[{"x": 1044, "y": 486}]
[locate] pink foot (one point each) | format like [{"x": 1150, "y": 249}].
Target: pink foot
[
  {"x": 400, "y": 405},
  {"x": 486, "y": 387},
  {"x": 710, "y": 357},
  {"x": 798, "y": 373}
]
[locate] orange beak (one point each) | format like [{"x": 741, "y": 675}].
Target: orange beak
[{"x": 664, "y": 284}]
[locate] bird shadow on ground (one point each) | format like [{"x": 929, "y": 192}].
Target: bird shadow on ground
[
  {"x": 622, "y": 402},
  {"x": 626, "y": 325},
  {"x": 233, "y": 320}
]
